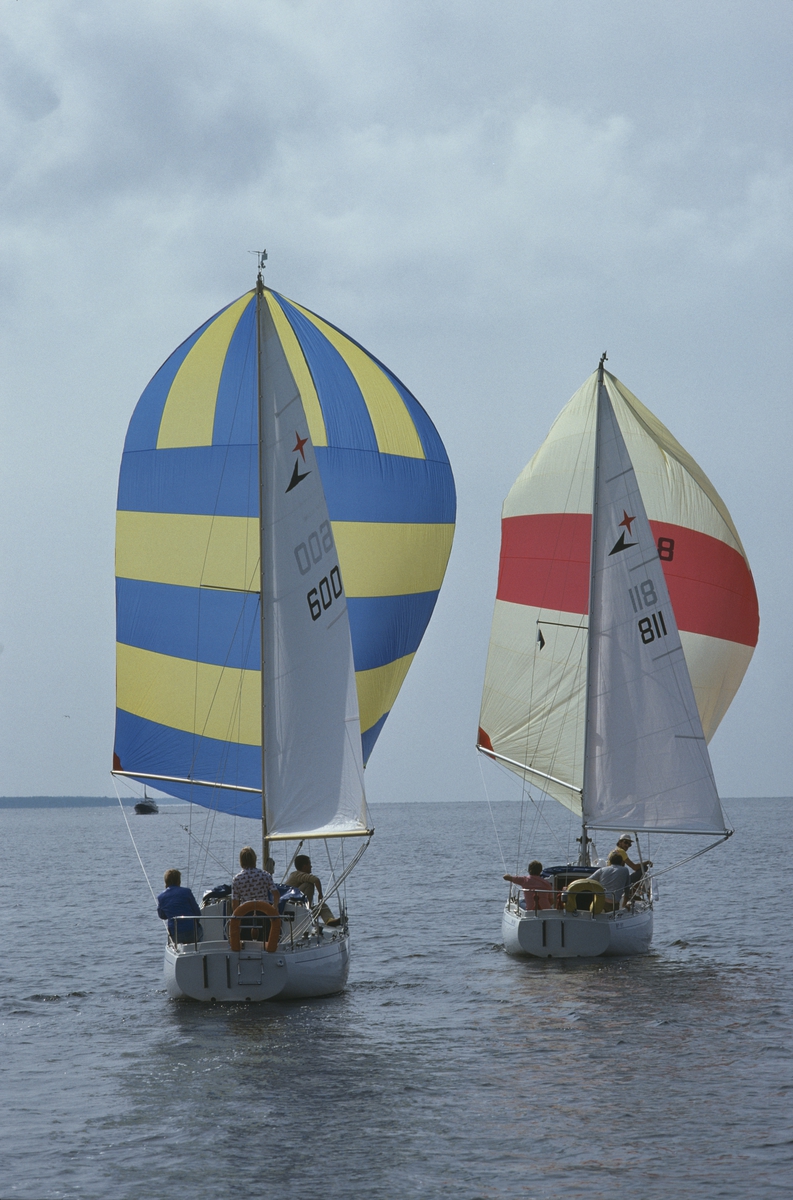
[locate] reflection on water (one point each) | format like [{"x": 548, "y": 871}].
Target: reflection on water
[{"x": 446, "y": 1069}]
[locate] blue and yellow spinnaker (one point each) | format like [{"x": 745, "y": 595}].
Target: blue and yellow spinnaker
[{"x": 189, "y": 694}]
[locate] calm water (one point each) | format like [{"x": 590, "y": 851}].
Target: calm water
[{"x": 446, "y": 1069}]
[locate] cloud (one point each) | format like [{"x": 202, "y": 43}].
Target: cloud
[
  {"x": 487, "y": 198},
  {"x": 25, "y": 92}
]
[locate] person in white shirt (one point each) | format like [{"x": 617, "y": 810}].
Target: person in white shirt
[{"x": 614, "y": 879}]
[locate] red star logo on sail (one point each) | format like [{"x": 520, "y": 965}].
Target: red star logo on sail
[
  {"x": 627, "y": 521},
  {"x": 299, "y": 444}
]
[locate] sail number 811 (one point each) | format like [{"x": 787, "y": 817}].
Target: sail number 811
[{"x": 642, "y": 596}]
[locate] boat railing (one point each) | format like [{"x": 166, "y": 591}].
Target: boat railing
[
  {"x": 205, "y": 922},
  {"x": 605, "y": 904}
]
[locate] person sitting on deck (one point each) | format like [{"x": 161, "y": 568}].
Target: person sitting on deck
[
  {"x": 622, "y": 848},
  {"x": 537, "y": 891},
  {"x": 614, "y": 878},
  {"x": 302, "y": 878},
  {"x": 251, "y": 883},
  {"x": 179, "y": 902}
]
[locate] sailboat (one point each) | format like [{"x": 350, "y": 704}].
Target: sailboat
[
  {"x": 285, "y": 515},
  {"x": 625, "y": 618},
  {"x": 146, "y": 806}
]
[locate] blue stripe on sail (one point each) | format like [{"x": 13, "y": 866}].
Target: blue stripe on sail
[
  {"x": 369, "y": 738},
  {"x": 428, "y": 435},
  {"x": 344, "y": 410},
  {"x": 384, "y": 628},
  {"x": 200, "y": 624},
  {"x": 385, "y": 487},
  {"x": 219, "y": 481},
  {"x": 144, "y": 427},
  {"x": 236, "y": 415},
  {"x": 148, "y": 748}
]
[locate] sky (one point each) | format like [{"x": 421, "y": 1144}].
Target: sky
[{"x": 486, "y": 197}]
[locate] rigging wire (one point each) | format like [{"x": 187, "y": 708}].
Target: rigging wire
[
  {"x": 207, "y": 852},
  {"x": 132, "y": 839},
  {"x": 691, "y": 857},
  {"x": 492, "y": 817},
  {"x": 343, "y": 877},
  {"x": 540, "y": 815}
]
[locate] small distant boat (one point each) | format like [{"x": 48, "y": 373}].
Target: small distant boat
[
  {"x": 617, "y": 644},
  {"x": 285, "y": 516},
  {"x": 146, "y": 806}
]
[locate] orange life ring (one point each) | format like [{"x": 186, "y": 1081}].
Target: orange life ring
[{"x": 255, "y": 906}]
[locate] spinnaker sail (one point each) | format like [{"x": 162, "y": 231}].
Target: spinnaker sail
[
  {"x": 533, "y": 703},
  {"x": 188, "y": 545}
]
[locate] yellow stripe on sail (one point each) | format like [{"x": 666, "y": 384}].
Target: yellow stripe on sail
[
  {"x": 392, "y": 423},
  {"x": 199, "y": 698},
  {"x": 383, "y": 559},
  {"x": 300, "y": 373},
  {"x": 188, "y": 550},
  {"x": 378, "y": 689},
  {"x": 188, "y": 418}
]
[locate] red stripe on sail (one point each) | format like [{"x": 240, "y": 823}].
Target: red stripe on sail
[{"x": 545, "y": 564}]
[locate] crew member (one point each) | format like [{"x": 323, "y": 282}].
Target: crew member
[
  {"x": 175, "y": 905},
  {"x": 624, "y": 843},
  {"x": 537, "y": 891},
  {"x": 302, "y": 878}
]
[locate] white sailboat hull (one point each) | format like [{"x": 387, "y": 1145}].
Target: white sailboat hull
[
  {"x": 554, "y": 934},
  {"x": 212, "y": 971}
]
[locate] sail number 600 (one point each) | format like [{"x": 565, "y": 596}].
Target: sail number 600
[{"x": 322, "y": 596}]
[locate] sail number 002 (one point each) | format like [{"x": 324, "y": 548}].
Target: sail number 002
[{"x": 308, "y": 554}]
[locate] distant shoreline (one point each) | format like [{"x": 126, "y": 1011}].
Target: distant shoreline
[
  {"x": 74, "y": 801},
  {"x": 129, "y": 801}
]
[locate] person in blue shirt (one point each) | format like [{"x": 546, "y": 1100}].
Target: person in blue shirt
[{"x": 178, "y": 901}]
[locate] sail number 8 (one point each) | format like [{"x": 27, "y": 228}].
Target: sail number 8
[{"x": 322, "y": 596}]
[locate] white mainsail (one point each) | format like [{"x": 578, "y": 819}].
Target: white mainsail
[
  {"x": 646, "y": 761},
  {"x": 313, "y": 764}
]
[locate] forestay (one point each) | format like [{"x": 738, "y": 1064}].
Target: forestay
[
  {"x": 312, "y": 736},
  {"x": 646, "y": 763}
]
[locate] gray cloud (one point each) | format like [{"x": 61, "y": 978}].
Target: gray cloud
[{"x": 485, "y": 198}]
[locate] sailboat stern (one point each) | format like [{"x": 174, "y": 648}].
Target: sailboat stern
[
  {"x": 554, "y": 934},
  {"x": 213, "y": 972}
]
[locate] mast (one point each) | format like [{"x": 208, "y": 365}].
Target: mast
[
  {"x": 262, "y": 258},
  {"x": 583, "y": 858}
]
